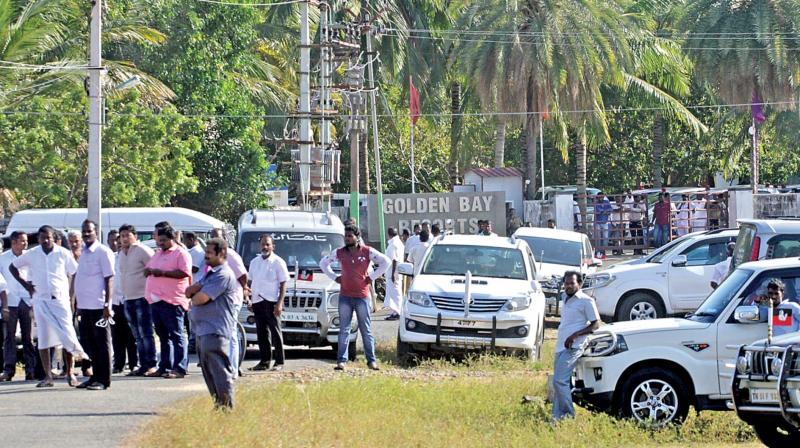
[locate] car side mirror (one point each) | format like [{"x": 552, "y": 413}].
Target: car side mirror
[
  {"x": 748, "y": 314},
  {"x": 406, "y": 269},
  {"x": 680, "y": 260}
]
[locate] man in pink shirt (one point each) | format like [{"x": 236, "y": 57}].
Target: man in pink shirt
[{"x": 168, "y": 274}]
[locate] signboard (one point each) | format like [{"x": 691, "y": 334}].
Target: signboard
[{"x": 456, "y": 212}]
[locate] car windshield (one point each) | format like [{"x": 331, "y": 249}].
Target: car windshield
[
  {"x": 303, "y": 249},
  {"x": 550, "y": 250},
  {"x": 721, "y": 297},
  {"x": 665, "y": 250},
  {"x": 481, "y": 261}
]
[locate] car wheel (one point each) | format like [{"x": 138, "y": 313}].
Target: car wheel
[
  {"x": 406, "y": 356},
  {"x": 655, "y": 396},
  {"x": 770, "y": 434},
  {"x": 641, "y": 306}
]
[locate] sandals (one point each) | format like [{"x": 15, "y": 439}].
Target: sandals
[
  {"x": 45, "y": 383},
  {"x": 72, "y": 381}
]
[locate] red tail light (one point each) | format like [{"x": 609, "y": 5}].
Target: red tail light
[{"x": 756, "y": 249}]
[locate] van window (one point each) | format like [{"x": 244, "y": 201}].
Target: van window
[
  {"x": 784, "y": 246},
  {"x": 744, "y": 245}
]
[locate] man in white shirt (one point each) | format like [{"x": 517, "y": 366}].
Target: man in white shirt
[
  {"x": 268, "y": 277},
  {"x": 700, "y": 213},
  {"x": 412, "y": 241},
  {"x": 51, "y": 268},
  {"x": 93, "y": 296},
  {"x": 196, "y": 252},
  {"x": 19, "y": 311},
  {"x": 394, "y": 250},
  {"x": 721, "y": 268},
  {"x": 415, "y": 257}
]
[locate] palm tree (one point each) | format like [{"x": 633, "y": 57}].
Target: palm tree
[{"x": 746, "y": 50}]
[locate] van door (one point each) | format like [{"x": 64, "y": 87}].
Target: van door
[
  {"x": 690, "y": 284},
  {"x": 732, "y": 333}
]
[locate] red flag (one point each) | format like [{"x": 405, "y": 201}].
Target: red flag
[
  {"x": 413, "y": 99},
  {"x": 782, "y": 317}
]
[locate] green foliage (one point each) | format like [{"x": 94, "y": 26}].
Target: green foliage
[{"x": 145, "y": 158}]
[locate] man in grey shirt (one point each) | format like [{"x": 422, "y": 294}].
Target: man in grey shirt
[
  {"x": 579, "y": 317},
  {"x": 214, "y": 322}
]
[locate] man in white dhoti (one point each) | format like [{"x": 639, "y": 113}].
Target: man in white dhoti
[
  {"x": 394, "y": 250},
  {"x": 50, "y": 271},
  {"x": 684, "y": 216},
  {"x": 699, "y": 209}
]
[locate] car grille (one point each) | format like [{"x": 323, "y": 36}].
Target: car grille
[
  {"x": 761, "y": 363},
  {"x": 478, "y": 305},
  {"x": 304, "y": 299}
]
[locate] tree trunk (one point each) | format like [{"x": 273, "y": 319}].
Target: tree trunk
[
  {"x": 659, "y": 131},
  {"x": 500, "y": 142},
  {"x": 580, "y": 180},
  {"x": 531, "y": 132},
  {"x": 455, "y": 132}
]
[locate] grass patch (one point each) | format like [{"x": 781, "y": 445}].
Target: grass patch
[{"x": 440, "y": 403}]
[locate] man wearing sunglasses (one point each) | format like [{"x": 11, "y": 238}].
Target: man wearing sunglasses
[{"x": 93, "y": 297}]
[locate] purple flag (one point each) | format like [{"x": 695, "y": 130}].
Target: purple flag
[{"x": 756, "y": 110}]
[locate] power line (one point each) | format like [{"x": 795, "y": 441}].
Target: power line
[
  {"x": 612, "y": 110},
  {"x": 217, "y": 2},
  {"x": 657, "y": 35}
]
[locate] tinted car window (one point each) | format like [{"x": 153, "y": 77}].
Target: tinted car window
[
  {"x": 706, "y": 253},
  {"x": 784, "y": 246}
]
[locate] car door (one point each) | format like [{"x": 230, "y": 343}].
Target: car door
[
  {"x": 731, "y": 334},
  {"x": 690, "y": 282}
]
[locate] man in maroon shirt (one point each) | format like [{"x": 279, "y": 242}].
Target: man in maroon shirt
[
  {"x": 662, "y": 213},
  {"x": 355, "y": 278}
]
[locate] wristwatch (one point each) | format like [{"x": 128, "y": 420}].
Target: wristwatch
[{"x": 106, "y": 304}]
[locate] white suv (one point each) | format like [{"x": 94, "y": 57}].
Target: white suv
[
  {"x": 473, "y": 293},
  {"x": 657, "y": 369},
  {"x": 674, "y": 281}
]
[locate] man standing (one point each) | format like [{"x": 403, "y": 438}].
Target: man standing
[
  {"x": 355, "y": 260},
  {"x": 662, "y": 213},
  {"x": 50, "y": 271},
  {"x": 636, "y": 212},
  {"x": 133, "y": 259},
  {"x": 699, "y": 212},
  {"x": 268, "y": 276},
  {"x": 93, "y": 296},
  {"x": 74, "y": 242},
  {"x": 214, "y": 320},
  {"x": 682, "y": 224},
  {"x": 602, "y": 212},
  {"x": 412, "y": 241},
  {"x": 19, "y": 310},
  {"x": 579, "y": 317},
  {"x": 394, "y": 252},
  {"x": 721, "y": 268},
  {"x": 415, "y": 257},
  {"x": 234, "y": 261},
  {"x": 196, "y": 252},
  {"x": 121, "y": 334},
  {"x": 168, "y": 273}
]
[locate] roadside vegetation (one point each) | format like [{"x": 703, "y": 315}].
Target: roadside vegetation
[{"x": 476, "y": 402}]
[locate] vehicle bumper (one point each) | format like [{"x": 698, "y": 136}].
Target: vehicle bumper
[
  {"x": 312, "y": 334},
  {"x": 585, "y": 396},
  {"x": 450, "y": 331},
  {"x": 598, "y": 377}
]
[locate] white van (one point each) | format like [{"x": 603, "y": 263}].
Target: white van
[{"x": 143, "y": 218}]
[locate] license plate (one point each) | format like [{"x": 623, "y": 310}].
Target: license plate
[
  {"x": 298, "y": 317},
  {"x": 466, "y": 323},
  {"x": 764, "y": 396}
]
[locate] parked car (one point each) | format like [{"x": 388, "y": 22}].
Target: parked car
[
  {"x": 761, "y": 239},
  {"x": 556, "y": 252},
  {"x": 673, "y": 281},
  {"x": 473, "y": 293},
  {"x": 766, "y": 388},
  {"x": 656, "y": 370},
  {"x": 310, "y": 308}
]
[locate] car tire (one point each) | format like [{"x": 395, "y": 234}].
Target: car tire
[
  {"x": 656, "y": 396},
  {"x": 406, "y": 356},
  {"x": 772, "y": 435},
  {"x": 351, "y": 351},
  {"x": 640, "y": 306}
]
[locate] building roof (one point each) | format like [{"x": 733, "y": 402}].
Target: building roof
[{"x": 497, "y": 172}]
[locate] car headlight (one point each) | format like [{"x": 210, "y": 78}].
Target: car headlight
[
  {"x": 333, "y": 300},
  {"x": 420, "y": 299},
  {"x": 597, "y": 281},
  {"x": 743, "y": 363},
  {"x": 776, "y": 365},
  {"x": 517, "y": 303},
  {"x": 606, "y": 345}
]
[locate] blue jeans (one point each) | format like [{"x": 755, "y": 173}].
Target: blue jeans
[
  {"x": 234, "y": 348},
  {"x": 661, "y": 234},
  {"x": 140, "y": 319},
  {"x": 361, "y": 306},
  {"x": 168, "y": 321},
  {"x": 601, "y": 235},
  {"x": 562, "y": 382}
]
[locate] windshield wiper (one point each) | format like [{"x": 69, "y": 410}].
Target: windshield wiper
[{"x": 701, "y": 314}]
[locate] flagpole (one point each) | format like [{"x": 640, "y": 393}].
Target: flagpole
[{"x": 413, "y": 170}]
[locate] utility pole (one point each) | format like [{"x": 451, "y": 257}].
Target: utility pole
[
  {"x": 355, "y": 149},
  {"x": 375, "y": 145},
  {"x": 304, "y": 107},
  {"x": 94, "y": 181}
]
